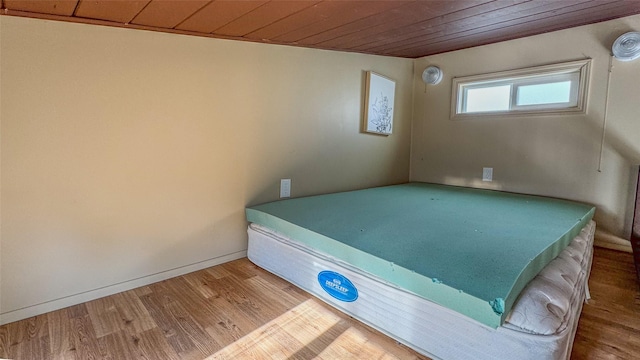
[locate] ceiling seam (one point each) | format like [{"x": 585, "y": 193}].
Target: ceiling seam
[
  {"x": 190, "y": 16},
  {"x": 288, "y": 16},
  {"x": 139, "y": 12},
  {"x": 241, "y": 16},
  {"x": 349, "y": 23},
  {"x": 292, "y": 14},
  {"x": 75, "y": 9}
]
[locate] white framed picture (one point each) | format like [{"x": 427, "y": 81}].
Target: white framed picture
[{"x": 379, "y": 104}]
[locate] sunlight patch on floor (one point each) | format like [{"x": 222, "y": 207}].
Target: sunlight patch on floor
[
  {"x": 353, "y": 344},
  {"x": 309, "y": 330},
  {"x": 284, "y": 335}
]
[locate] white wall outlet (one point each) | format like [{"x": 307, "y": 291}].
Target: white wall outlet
[
  {"x": 487, "y": 174},
  {"x": 285, "y": 188}
]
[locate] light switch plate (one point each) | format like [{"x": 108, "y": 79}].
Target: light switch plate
[
  {"x": 487, "y": 174},
  {"x": 285, "y": 188}
]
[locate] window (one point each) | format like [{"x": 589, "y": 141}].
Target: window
[{"x": 559, "y": 88}]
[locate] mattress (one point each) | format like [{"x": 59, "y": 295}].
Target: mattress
[
  {"x": 541, "y": 324},
  {"x": 470, "y": 250}
]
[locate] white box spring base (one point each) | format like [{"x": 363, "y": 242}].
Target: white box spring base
[{"x": 432, "y": 329}]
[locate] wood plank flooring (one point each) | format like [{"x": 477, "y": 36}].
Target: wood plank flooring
[
  {"x": 609, "y": 326},
  {"x": 237, "y": 310}
]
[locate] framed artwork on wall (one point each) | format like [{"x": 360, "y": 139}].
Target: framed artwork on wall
[{"x": 379, "y": 104}]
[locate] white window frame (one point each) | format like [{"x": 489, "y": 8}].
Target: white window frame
[{"x": 577, "y": 72}]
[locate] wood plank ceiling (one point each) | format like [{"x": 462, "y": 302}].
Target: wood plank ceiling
[{"x": 385, "y": 27}]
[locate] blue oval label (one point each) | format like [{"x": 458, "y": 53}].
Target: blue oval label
[{"x": 337, "y": 286}]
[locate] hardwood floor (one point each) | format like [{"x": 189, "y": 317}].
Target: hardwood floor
[
  {"x": 609, "y": 326},
  {"x": 237, "y": 310}
]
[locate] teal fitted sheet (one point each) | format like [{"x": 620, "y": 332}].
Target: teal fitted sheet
[{"x": 469, "y": 250}]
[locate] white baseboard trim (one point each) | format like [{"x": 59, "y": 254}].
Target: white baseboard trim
[
  {"x": 610, "y": 241},
  {"x": 602, "y": 239},
  {"x": 29, "y": 311}
]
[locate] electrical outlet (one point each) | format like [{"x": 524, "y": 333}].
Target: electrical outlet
[
  {"x": 487, "y": 174},
  {"x": 285, "y": 188}
]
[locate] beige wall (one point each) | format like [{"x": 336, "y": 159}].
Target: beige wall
[
  {"x": 129, "y": 156},
  {"x": 547, "y": 155}
]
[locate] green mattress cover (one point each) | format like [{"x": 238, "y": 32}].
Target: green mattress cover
[{"x": 469, "y": 250}]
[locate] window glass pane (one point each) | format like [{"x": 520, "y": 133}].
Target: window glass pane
[
  {"x": 495, "y": 98},
  {"x": 549, "y": 93}
]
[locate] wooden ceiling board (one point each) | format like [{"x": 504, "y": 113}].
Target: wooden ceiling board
[
  {"x": 168, "y": 14},
  {"x": 310, "y": 15},
  {"x": 350, "y": 13},
  {"x": 358, "y": 26},
  {"x": 405, "y": 28},
  {"x": 524, "y": 12},
  {"x": 528, "y": 27},
  {"x": 217, "y": 14},
  {"x": 263, "y": 16},
  {"x": 418, "y": 14},
  {"x": 587, "y": 16},
  {"x": 55, "y": 7},
  {"x": 451, "y": 24},
  {"x": 117, "y": 11}
]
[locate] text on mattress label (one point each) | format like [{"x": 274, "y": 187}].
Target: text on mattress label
[{"x": 337, "y": 286}]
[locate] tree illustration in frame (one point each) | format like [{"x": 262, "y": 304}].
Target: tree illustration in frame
[{"x": 379, "y": 104}]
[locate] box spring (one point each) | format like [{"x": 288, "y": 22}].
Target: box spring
[{"x": 541, "y": 324}]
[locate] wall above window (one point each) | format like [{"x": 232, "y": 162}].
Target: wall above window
[{"x": 550, "y": 89}]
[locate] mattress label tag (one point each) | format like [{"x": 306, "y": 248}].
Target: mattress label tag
[{"x": 337, "y": 286}]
